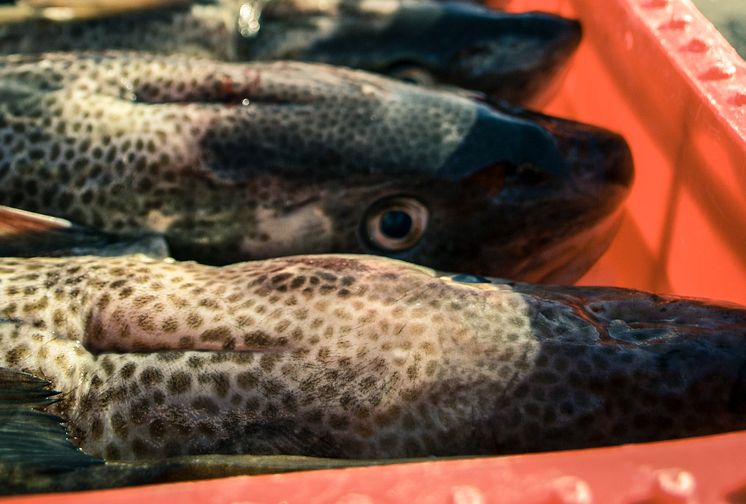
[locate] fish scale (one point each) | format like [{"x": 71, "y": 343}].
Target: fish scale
[
  {"x": 360, "y": 357},
  {"x": 229, "y": 162}
]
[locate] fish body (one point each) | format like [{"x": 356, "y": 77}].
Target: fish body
[
  {"x": 515, "y": 57},
  {"x": 361, "y": 357},
  {"x": 229, "y": 162}
]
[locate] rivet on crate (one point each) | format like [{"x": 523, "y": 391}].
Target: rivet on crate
[
  {"x": 467, "y": 494},
  {"x": 656, "y": 4},
  {"x": 677, "y": 22},
  {"x": 570, "y": 490},
  {"x": 719, "y": 71},
  {"x": 696, "y": 45},
  {"x": 673, "y": 486}
]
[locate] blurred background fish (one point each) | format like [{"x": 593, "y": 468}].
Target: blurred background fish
[{"x": 517, "y": 57}]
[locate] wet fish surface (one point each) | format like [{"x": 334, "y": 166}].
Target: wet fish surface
[
  {"x": 361, "y": 357},
  {"x": 229, "y": 162},
  {"x": 516, "y": 57}
]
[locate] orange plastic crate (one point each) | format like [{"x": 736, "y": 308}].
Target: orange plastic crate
[
  {"x": 700, "y": 470},
  {"x": 662, "y": 75},
  {"x": 659, "y": 73}
]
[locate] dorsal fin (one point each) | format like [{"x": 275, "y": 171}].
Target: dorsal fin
[{"x": 28, "y": 234}]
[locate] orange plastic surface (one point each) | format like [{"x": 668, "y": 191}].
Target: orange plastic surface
[
  {"x": 664, "y": 77},
  {"x": 659, "y": 73},
  {"x": 707, "y": 469}
]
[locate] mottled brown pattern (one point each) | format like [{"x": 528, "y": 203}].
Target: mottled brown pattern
[
  {"x": 375, "y": 373},
  {"x": 227, "y": 162}
]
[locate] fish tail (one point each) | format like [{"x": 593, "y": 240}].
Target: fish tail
[{"x": 32, "y": 441}]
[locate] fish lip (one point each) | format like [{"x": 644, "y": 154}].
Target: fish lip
[{"x": 560, "y": 261}]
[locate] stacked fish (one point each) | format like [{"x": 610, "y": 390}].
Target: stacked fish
[{"x": 135, "y": 144}]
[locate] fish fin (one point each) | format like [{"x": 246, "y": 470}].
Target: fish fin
[
  {"x": 28, "y": 234},
  {"x": 185, "y": 468},
  {"x": 33, "y": 441}
]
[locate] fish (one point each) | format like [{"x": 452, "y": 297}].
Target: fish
[
  {"x": 520, "y": 58},
  {"x": 25, "y": 233},
  {"x": 355, "y": 357},
  {"x": 229, "y": 162}
]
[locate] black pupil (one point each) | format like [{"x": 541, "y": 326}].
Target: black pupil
[{"x": 396, "y": 224}]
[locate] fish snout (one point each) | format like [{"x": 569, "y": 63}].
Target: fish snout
[
  {"x": 550, "y": 191},
  {"x": 600, "y": 161},
  {"x": 600, "y": 157},
  {"x": 507, "y": 56},
  {"x": 515, "y": 57},
  {"x": 536, "y": 149},
  {"x": 630, "y": 317}
]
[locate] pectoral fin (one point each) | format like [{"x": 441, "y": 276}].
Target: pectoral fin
[{"x": 28, "y": 234}]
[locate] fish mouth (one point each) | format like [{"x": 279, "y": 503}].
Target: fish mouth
[
  {"x": 601, "y": 175},
  {"x": 568, "y": 259},
  {"x": 553, "y": 192}
]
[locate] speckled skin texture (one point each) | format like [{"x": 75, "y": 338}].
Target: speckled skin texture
[
  {"x": 508, "y": 56},
  {"x": 361, "y": 357},
  {"x": 231, "y": 162}
]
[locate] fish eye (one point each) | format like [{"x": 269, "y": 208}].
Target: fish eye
[
  {"x": 396, "y": 224},
  {"x": 411, "y": 73}
]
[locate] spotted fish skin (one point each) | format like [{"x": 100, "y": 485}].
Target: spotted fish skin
[
  {"x": 246, "y": 161},
  {"x": 361, "y": 357},
  {"x": 516, "y": 57}
]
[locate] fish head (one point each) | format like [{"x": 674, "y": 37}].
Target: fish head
[
  {"x": 362, "y": 164},
  {"x": 506, "y": 56},
  {"x": 522, "y": 196},
  {"x": 272, "y": 159}
]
